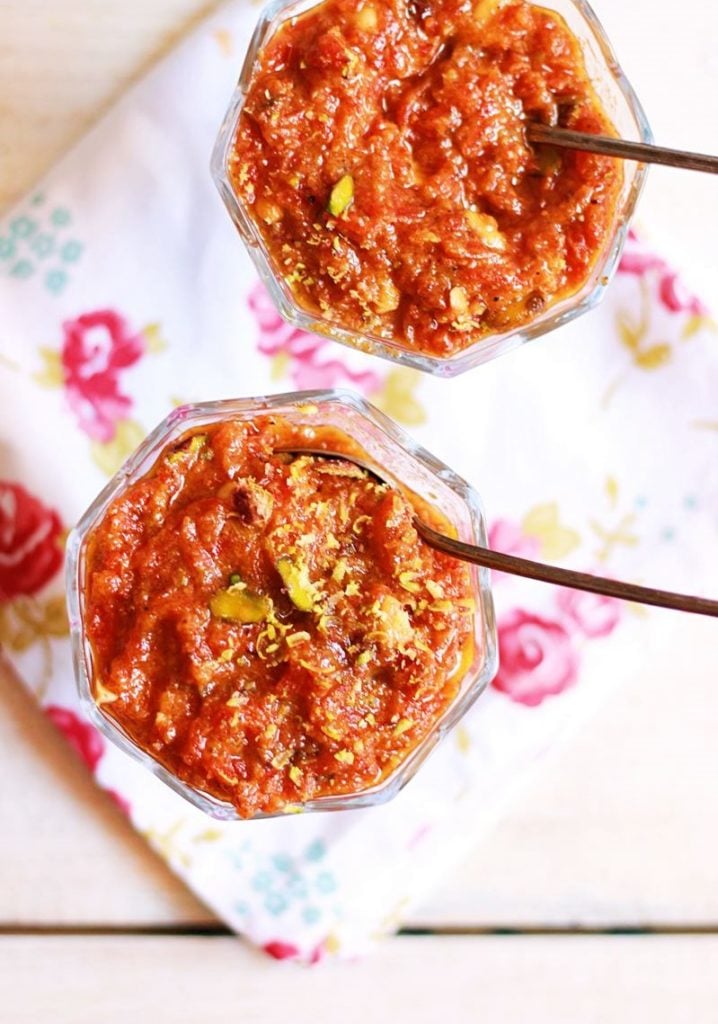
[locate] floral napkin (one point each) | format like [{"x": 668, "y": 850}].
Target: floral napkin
[{"x": 124, "y": 290}]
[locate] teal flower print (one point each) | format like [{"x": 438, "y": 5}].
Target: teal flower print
[
  {"x": 42, "y": 245},
  {"x": 7, "y": 248},
  {"x": 22, "y": 227},
  {"x": 60, "y": 217},
  {"x": 22, "y": 269},
  {"x": 71, "y": 251},
  {"x": 55, "y": 281}
]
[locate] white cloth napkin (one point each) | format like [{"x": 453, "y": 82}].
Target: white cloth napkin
[{"x": 124, "y": 289}]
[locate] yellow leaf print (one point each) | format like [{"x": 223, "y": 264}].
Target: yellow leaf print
[
  {"x": 396, "y": 397},
  {"x": 210, "y": 835},
  {"x": 653, "y": 357},
  {"x": 9, "y": 364},
  {"x": 612, "y": 489},
  {"x": 612, "y": 537},
  {"x": 169, "y": 843},
  {"x": 697, "y": 323},
  {"x": 279, "y": 365},
  {"x": 153, "y": 336},
  {"x": 223, "y": 38},
  {"x": 27, "y": 620},
  {"x": 463, "y": 739},
  {"x": 52, "y": 374},
  {"x": 109, "y": 455},
  {"x": 631, "y": 335},
  {"x": 557, "y": 541}
]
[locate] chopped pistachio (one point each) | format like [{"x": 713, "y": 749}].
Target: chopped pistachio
[
  {"x": 408, "y": 582},
  {"x": 332, "y": 732},
  {"x": 441, "y": 606},
  {"x": 270, "y": 731},
  {"x": 282, "y": 760},
  {"x": 352, "y": 589},
  {"x": 103, "y": 695},
  {"x": 296, "y": 775},
  {"x": 344, "y": 757},
  {"x": 364, "y": 658},
  {"x": 435, "y": 589},
  {"x": 342, "y": 196},
  {"x": 241, "y": 606},
  {"x": 402, "y": 726},
  {"x": 458, "y": 300},
  {"x": 226, "y": 655},
  {"x": 300, "y": 589}
]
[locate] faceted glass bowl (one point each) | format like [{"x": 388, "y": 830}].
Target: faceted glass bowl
[
  {"x": 620, "y": 103},
  {"x": 401, "y": 461}
]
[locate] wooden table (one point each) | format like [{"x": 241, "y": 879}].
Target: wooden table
[{"x": 596, "y": 899}]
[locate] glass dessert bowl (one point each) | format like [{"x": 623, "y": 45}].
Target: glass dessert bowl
[
  {"x": 454, "y": 284},
  {"x": 264, "y": 643}
]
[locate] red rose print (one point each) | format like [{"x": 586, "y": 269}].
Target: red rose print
[
  {"x": 30, "y": 552},
  {"x": 281, "y": 950},
  {"x": 508, "y": 537},
  {"x": 537, "y": 659},
  {"x": 594, "y": 614},
  {"x": 85, "y": 739},
  {"x": 96, "y": 348}
]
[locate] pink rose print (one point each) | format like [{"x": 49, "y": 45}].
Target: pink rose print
[
  {"x": 508, "y": 537},
  {"x": 672, "y": 293},
  {"x": 30, "y": 551},
  {"x": 281, "y": 950},
  {"x": 676, "y": 297},
  {"x": 85, "y": 739},
  {"x": 96, "y": 348},
  {"x": 307, "y": 368},
  {"x": 118, "y": 799},
  {"x": 537, "y": 658},
  {"x": 593, "y": 614}
]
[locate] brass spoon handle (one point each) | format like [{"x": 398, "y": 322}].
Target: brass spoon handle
[
  {"x": 564, "y": 577},
  {"x": 606, "y": 146}
]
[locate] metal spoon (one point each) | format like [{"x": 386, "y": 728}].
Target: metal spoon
[
  {"x": 643, "y": 152},
  {"x": 516, "y": 566}
]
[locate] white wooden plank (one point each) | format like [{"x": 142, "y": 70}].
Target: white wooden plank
[
  {"x": 62, "y": 838},
  {"x": 62, "y": 64},
  {"x": 53, "y": 980},
  {"x": 620, "y": 829}
]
